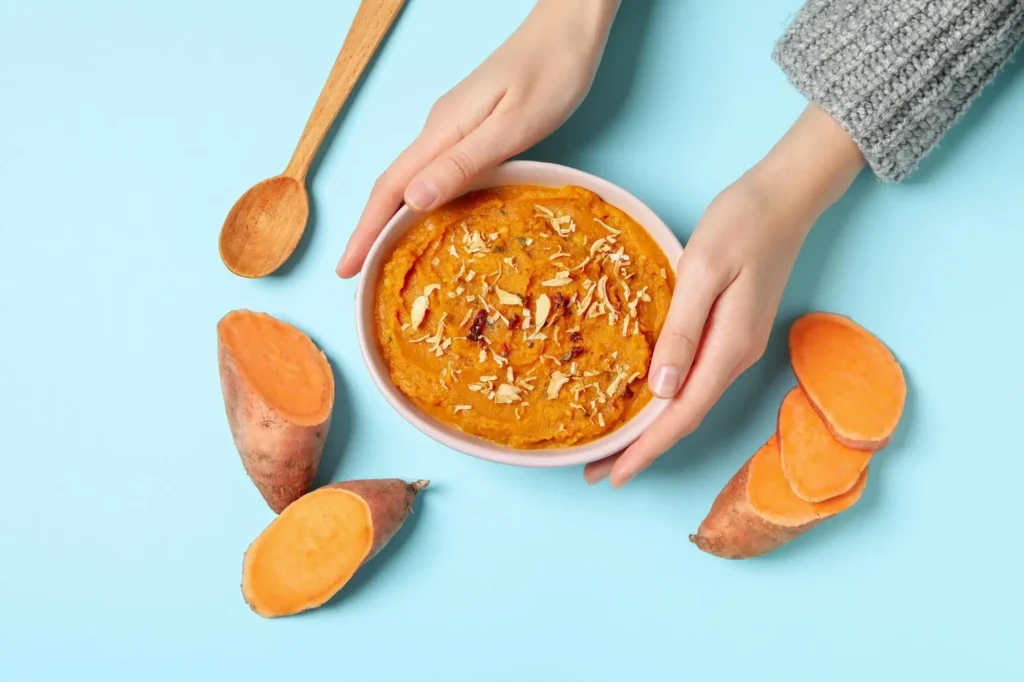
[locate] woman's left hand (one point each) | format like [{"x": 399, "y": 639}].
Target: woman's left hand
[{"x": 730, "y": 280}]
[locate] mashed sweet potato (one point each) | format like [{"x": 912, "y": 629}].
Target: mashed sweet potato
[{"x": 524, "y": 315}]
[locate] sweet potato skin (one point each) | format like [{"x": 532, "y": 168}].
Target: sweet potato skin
[
  {"x": 733, "y": 530},
  {"x": 390, "y": 501},
  {"x": 280, "y": 458}
]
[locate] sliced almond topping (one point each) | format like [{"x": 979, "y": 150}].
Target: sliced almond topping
[
  {"x": 493, "y": 236},
  {"x": 582, "y": 264},
  {"x": 419, "y": 310},
  {"x": 625, "y": 325},
  {"x": 483, "y": 356},
  {"x": 462, "y": 408},
  {"x": 607, "y": 226},
  {"x": 543, "y": 210},
  {"x": 475, "y": 387},
  {"x": 498, "y": 359},
  {"x": 561, "y": 280},
  {"x": 558, "y": 254},
  {"x": 435, "y": 262},
  {"x": 452, "y": 251},
  {"x": 664, "y": 275},
  {"x": 507, "y": 394},
  {"x": 596, "y": 246},
  {"x": 507, "y": 298},
  {"x": 470, "y": 275},
  {"x": 577, "y": 406},
  {"x": 518, "y": 416},
  {"x": 555, "y": 385},
  {"x": 529, "y": 241},
  {"x": 431, "y": 288},
  {"x": 602, "y": 289},
  {"x": 509, "y": 376},
  {"x": 405, "y": 326},
  {"x": 600, "y": 419},
  {"x": 459, "y": 291},
  {"x": 511, "y": 262},
  {"x": 543, "y": 308},
  {"x": 489, "y": 377},
  {"x": 636, "y": 327}
]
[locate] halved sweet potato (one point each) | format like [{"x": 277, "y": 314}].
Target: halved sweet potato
[{"x": 279, "y": 396}]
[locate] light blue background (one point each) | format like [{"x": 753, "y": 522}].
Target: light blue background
[{"x": 127, "y": 129}]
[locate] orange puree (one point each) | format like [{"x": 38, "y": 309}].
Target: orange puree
[{"x": 524, "y": 315}]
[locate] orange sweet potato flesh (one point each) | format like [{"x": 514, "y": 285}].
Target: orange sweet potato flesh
[
  {"x": 851, "y": 377},
  {"x": 757, "y": 512},
  {"x": 308, "y": 553},
  {"x": 279, "y": 396},
  {"x": 816, "y": 465}
]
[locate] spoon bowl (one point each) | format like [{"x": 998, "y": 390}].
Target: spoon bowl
[
  {"x": 266, "y": 223},
  {"x": 264, "y": 226}
]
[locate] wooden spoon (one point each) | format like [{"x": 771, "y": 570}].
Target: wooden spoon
[{"x": 265, "y": 224}]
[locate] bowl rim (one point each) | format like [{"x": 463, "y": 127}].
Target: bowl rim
[{"x": 469, "y": 444}]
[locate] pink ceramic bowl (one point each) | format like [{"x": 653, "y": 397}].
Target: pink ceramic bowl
[{"x": 510, "y": 173}]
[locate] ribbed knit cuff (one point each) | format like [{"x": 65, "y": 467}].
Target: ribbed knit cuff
[{"x": 896, "y": 74}]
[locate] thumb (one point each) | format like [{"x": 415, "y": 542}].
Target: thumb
[
  {"x": 695, "y": 293},
  {"x": 452, "y": 171}
]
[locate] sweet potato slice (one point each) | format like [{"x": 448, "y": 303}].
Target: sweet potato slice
[
  {"x": 309, "y": 552},
  {"x": 757, "y": 512},
  {"x": 816, "y": 465},
  {"x": 852, "y": 379},
  {"x": 279, "y": 396}
]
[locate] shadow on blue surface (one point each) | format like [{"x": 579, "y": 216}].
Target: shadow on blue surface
[
  {"x": 611, "y": 89},
  {"x": 312, "y": 224},
  {"x": 341, "y": 429}
]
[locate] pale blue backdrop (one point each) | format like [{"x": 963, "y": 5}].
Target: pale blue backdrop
[{"x": 127, "y": 129}]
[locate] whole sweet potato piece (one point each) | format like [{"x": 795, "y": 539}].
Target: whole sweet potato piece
[
  {"x": 757, "y": 511},
  {"x": 279, "y": 396},
  {"x": 309, "y": 552}
]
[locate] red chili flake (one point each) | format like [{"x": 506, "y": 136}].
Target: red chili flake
[
  {"x": 513, "y": 322},
  {"x": 476, "y": 330},
  {"x": 505, "y": 349},
  {"x": 572, "y": 354},
  {"x": 575, "y": 337}
]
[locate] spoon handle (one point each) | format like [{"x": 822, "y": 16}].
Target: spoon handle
[{"x": 370, "y": 25}]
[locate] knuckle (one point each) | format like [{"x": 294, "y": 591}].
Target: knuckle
[
  {"x": 681, "y": 340},
  {"x": 461, "y": 164}
]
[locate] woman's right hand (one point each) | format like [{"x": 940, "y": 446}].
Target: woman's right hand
[{"x": 521, "y": 94}]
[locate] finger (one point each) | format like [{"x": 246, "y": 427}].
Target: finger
[
  {"x": 453, "y": 170},
  {"x": 386, "y": 195},
  {"x": 597, "y": 471},
  {"x": 720, "y": 361},
  {"x": 697, "y": 286}
]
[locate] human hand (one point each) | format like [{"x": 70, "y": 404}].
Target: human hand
[
  {"x": 521, "y": 94},
  {"x": 730, "y": 281}
]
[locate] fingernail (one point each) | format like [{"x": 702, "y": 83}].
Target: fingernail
[
  {"x": 421, "y": 195},
  {"x": 667, "y": 381}
]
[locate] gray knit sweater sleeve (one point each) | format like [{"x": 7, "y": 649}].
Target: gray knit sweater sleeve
[{"x": 896, "y": 74}]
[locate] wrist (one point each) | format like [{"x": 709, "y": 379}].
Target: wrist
[
  {"x": 808, "y": 169},
  {"x": 592, "y": 17}
]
